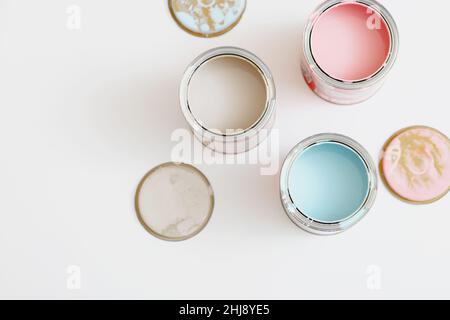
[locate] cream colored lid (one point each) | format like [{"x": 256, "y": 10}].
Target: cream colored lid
[{"x": 174, "y": 201}]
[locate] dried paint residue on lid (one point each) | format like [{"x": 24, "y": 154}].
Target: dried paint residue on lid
[
  {"x": 174, "y": 201},
  {"x": 415, "y": 164},
  {"x": 207, "y": 18}
]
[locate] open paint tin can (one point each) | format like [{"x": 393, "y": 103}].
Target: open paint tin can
[
  {"x": 349, "y": 47},
  {"x": 227, "y": 96},
  {"x": 328, "y": 183}
]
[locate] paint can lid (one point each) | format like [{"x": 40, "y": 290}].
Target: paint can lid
[
  {"x": 207, "y": 18},
  {"x": 174, "y": 201},
  {"x": 415, "y": 164}
]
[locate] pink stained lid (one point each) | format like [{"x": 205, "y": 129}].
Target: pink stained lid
[
  {"x": 350, "y": 42},
  {"x": 415, "y": 164}
]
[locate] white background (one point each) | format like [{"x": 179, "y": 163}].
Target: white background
[{"x": 84, "y": 114}]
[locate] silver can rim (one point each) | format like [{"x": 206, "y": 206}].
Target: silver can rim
[
  {"x": 304, "y": 221},
  {"x": 346, "y": 85},
  {"x": 266, "y": 74}
]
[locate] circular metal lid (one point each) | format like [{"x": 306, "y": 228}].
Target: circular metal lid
[
  {"x": 415, "y": 164},
  {"x": 207, "y": 18},
  {"x": 174, "y": 201}
]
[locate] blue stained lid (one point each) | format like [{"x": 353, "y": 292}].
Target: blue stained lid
[{"x": 207, "y": 18}]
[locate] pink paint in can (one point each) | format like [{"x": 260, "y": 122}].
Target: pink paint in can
[{"x": 349, "y": 47}]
